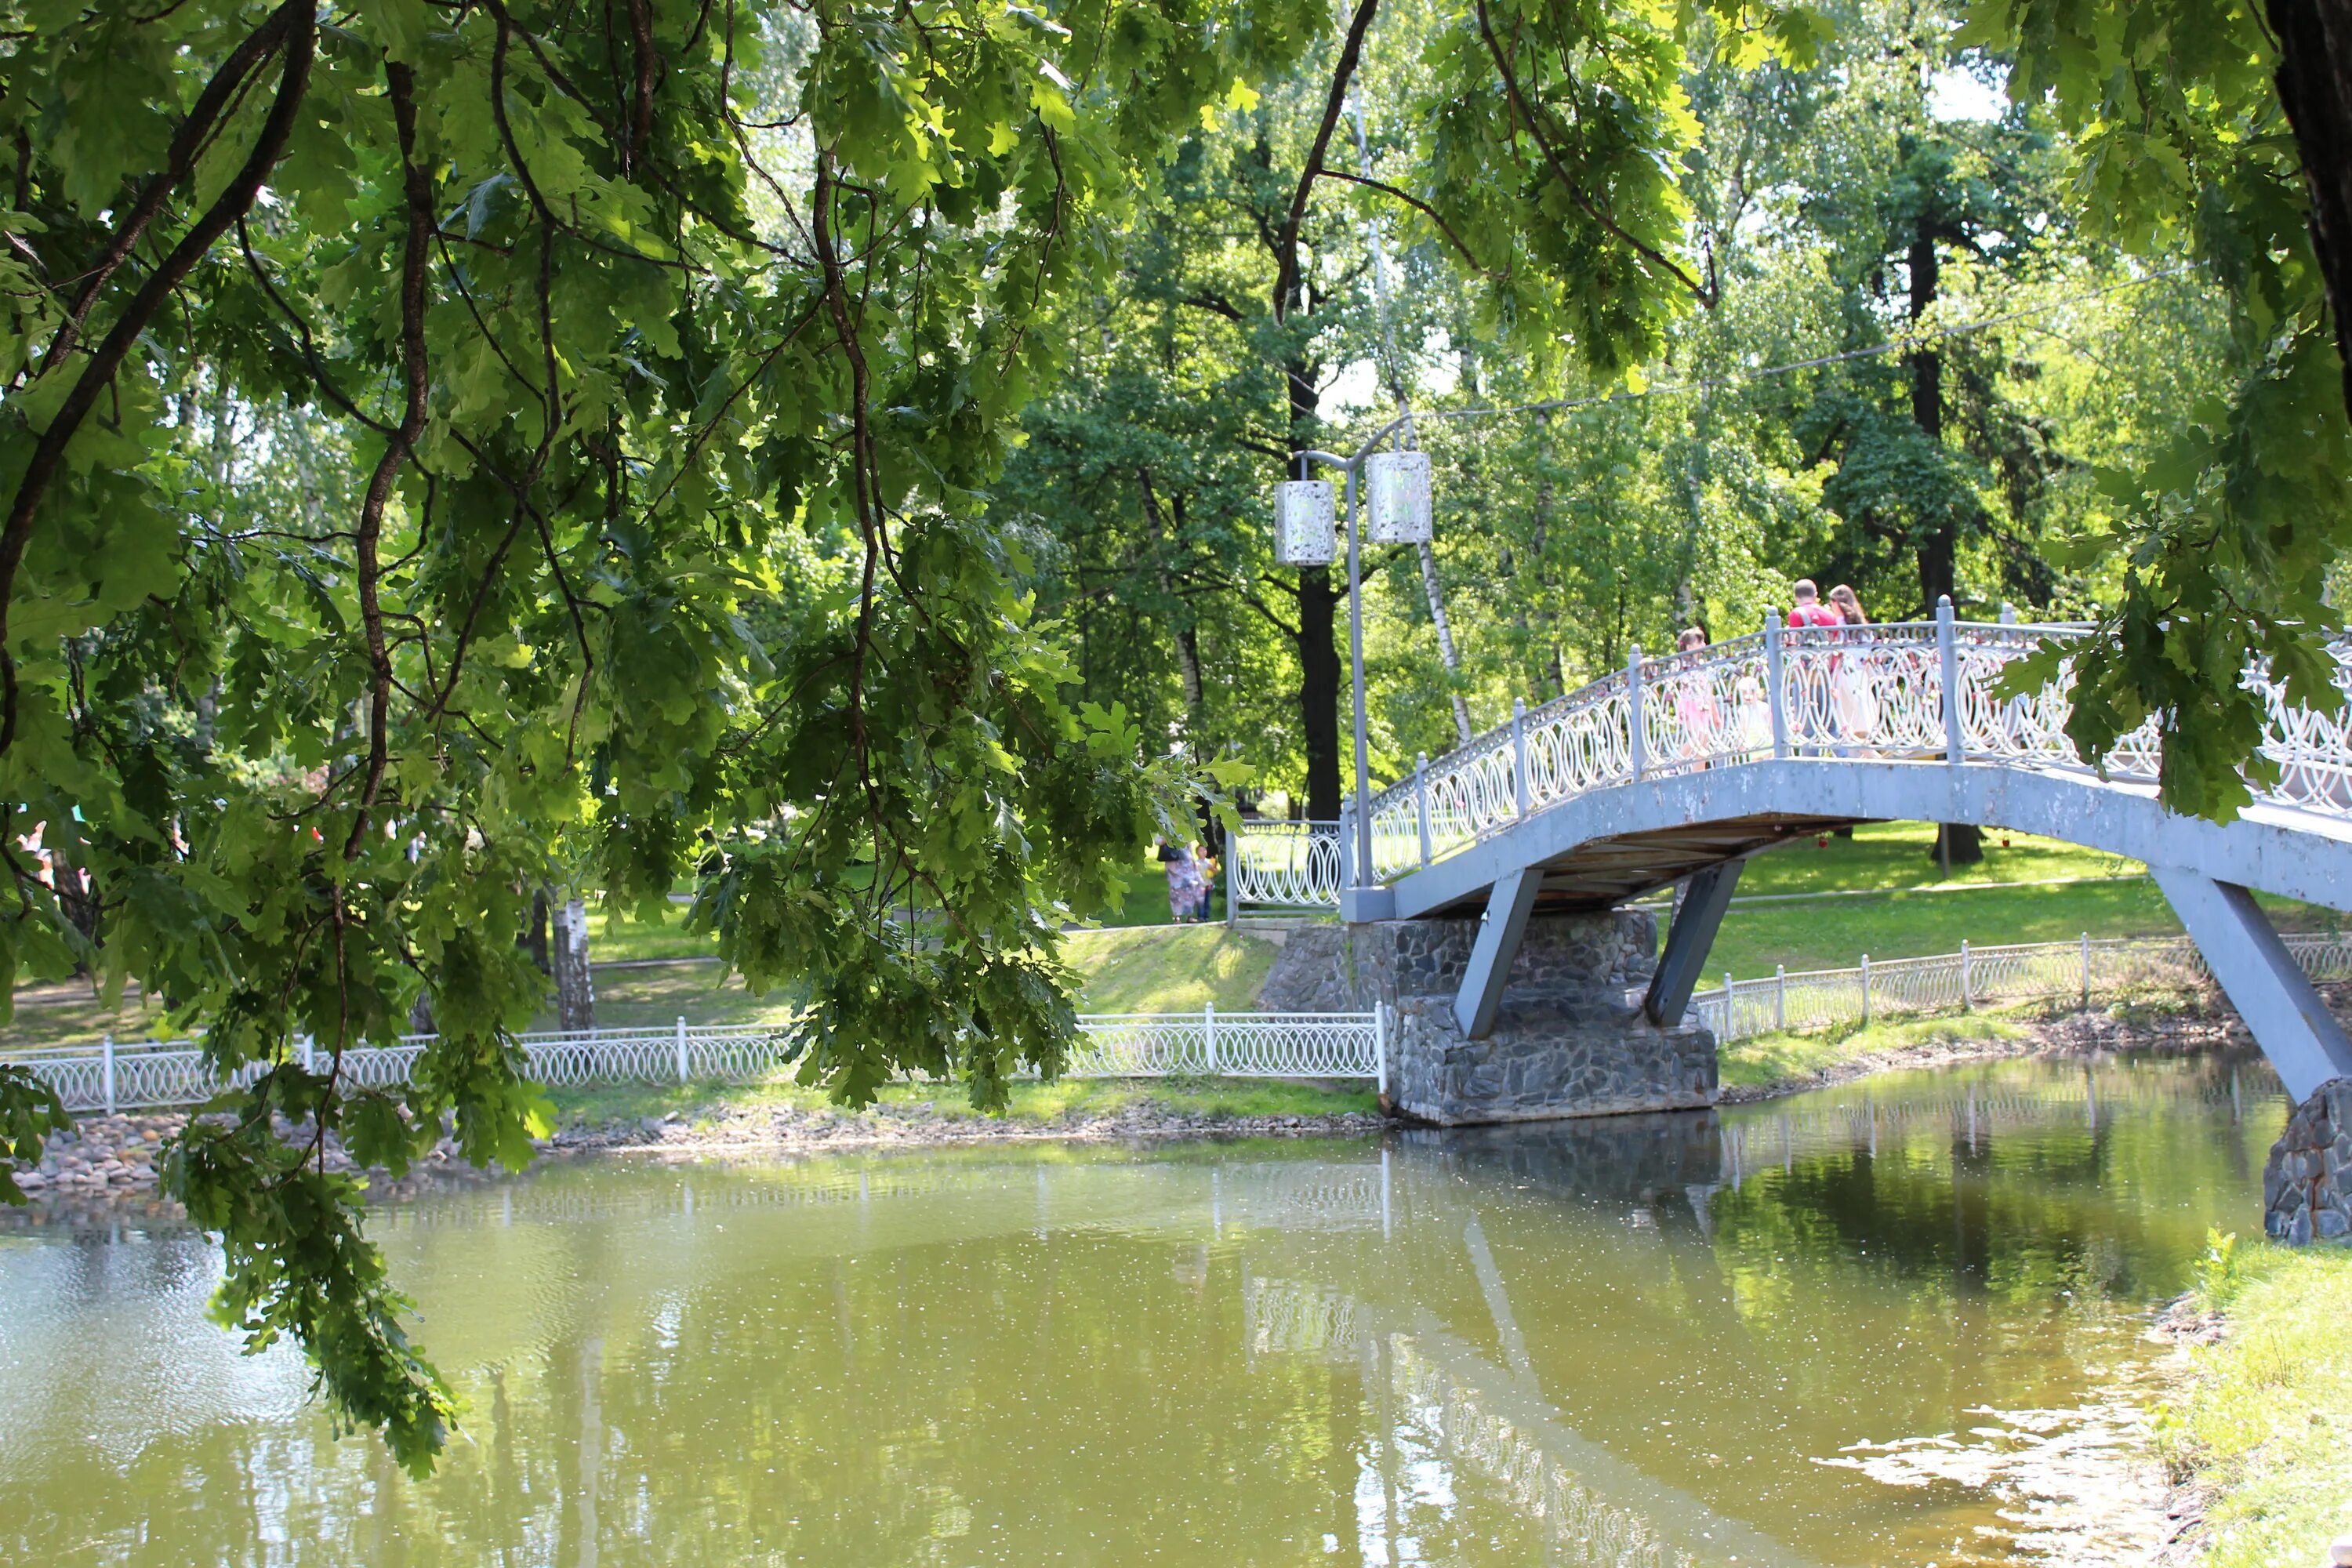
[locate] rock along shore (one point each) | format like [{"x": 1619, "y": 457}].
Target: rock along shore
[
  {"x": 119, "y": 1157},
  {"x": 109, "y": 1159}
]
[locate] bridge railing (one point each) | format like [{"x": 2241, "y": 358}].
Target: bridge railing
[
  {"x": 2084, "y": 970},
  {"x": 152, "y": 1074},
  {"x": 1922, "y": 691}
]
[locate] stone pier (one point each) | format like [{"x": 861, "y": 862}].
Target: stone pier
[
  {"x": 2307, "y": 1183},
  {"x": 1569, "y": 1038}
]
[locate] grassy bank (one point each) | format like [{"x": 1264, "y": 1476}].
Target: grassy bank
[
  {"x": 1825, "y": 904},
  {"x": 1034, "y": 1105},
  {"x": 1177, "y": 970},
  {"x": 2261, "y": 1422},
  {"x": 1766, "y": 1062}
]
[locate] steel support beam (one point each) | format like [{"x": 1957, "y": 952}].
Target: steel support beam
[
  {"x": 1687, "y": 941},
  {"x": 2289, "y": 1021},
  {"x": 1499, "y": 933}
]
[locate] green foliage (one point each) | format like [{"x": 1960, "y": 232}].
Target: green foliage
[
  {"x": 29, "y": 1111},
  {"x": 450, "y": 452},
  {"x": 453, "y": 451},
  {"x": 2221, "y": 1272},
  {"x": 2228, "y": 532}
]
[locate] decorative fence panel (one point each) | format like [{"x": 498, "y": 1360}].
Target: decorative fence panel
[
  {"x": 1284, "y": 865},
  {"x": 1977, "y": 977},
  {"x": 154, "y": 1074},
  {"x": 1830, "y": 695}
]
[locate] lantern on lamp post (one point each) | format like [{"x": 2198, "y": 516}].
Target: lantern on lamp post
[
  {"x": 1397, "y": 510},
  {"x": 1303, "y": 530}
]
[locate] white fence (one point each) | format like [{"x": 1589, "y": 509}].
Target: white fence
[
  {"x": 149, "y": 1074},
  {"x": 152, "y": 1074},
  {"x": 1977, "y": 977},
  {"x": 1915, "y": 690}
]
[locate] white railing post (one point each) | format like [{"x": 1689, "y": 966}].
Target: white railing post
[
  {"x": 1521, "y": 797},
  {"x": 1968, "y": 980},
  {"x": 1866, "y": 991},
  {"x": 106, "y": 1069},
  {"x": 1780, "y": 997},
  {"x": 1233, "y": 884},
  {"x": 1772, "y": 699},
  {"x": 2087, "y": 971},
  {"x": 1380, "y": 1047},
  {"x": 310, "y": 1051},
  {"x": 1633, "y": 709},
  {"x": 2008, "y": 613},
  {"x": 1421, "y": 801},
  {"x": 1947, "y": 652},
  {"x": 681, "y": 1048},
  {"x": 1209, "y": 1031},
  {"x": 1730, "y": 995}
]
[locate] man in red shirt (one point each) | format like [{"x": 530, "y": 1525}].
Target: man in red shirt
[
  {"x": 1809, "y": 610},
  {"x": 1809, "y": 711}
]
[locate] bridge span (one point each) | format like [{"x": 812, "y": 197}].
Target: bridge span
[{"x": 1686, "y": 766}]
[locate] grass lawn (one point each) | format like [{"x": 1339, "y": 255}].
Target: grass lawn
[
  {"x": 1124, "y": 972},
  {"x": 1034, "y": 1104},
  {"x": 2262, "y": 1417},
  {"x": 1165, "y": 970},
  {"x": 66, "y": 1015},
  {"x": 616, "y": 939},
  {"x": 1770, "y": 1059},
  {"x": 1914, "y": 912}
]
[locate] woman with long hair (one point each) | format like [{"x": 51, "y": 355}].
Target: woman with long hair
[
  {"x": 1853, "y": 685},
  {"x": 1698, "y": 718}
]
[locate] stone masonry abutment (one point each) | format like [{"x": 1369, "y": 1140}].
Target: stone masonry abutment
[{"x": 1568, "y": 1039}]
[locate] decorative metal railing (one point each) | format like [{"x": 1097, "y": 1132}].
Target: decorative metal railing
[
  {"x": 1284, "y": 866},
  {"x": 1916, "y": 690},
  {"x": 1975, "y": 977},
  {"x": 117, "y": 1075}
]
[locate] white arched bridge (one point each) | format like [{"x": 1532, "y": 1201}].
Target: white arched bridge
[{"x": 1685, "y": 766}]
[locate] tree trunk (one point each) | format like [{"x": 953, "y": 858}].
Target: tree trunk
[
  {"x": 1167, "y": 538},
  {"x": 1938, "y": 550},
  {"x": 575, "y": 989},
  {"x": 1320, "y": 667},
  {"x": 1319, "y": 674},
  {"x": 1957, "y": 843},
  {"x": 1446, "y": 643},
  {"x": 2314, "y": 87},
  {"x": 534, "y": 940},
  {"x": 76, "y": 900}
]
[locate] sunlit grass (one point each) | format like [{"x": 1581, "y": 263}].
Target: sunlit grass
[
  {"x": 1915, "y": 913},
  {"x": 1167, "y": 970},
  {"x": 1767, "y": 1060},
  {"x": 1031, "y": 1104},
  {"x": 2263, "y": 1419}
]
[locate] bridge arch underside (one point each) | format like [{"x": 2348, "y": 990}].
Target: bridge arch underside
[{"x": 1604, "y": 846}]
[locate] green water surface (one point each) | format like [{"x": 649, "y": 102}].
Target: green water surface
[{"x": 1893, "y": 1323}]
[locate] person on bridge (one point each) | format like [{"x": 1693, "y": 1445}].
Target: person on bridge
[
  {"x": 1809, "y": 713},
  {"x": 1853, "y": 683},
  {"x": 1809, "y": 610},
  {"x": 1697, "y": 715}
]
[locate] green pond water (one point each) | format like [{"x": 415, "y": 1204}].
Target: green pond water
[{"x": 1899, "y": 1323}]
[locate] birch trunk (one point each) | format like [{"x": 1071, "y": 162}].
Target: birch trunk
[{"x": 576, "y": 989}]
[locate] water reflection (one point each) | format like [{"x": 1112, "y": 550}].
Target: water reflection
[{"x": 1897, "y": 1322}]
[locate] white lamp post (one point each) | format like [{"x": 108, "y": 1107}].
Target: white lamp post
[{"x": 1399, "y": 487}]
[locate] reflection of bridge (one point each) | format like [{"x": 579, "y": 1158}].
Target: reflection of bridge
[{"x": 1682, "y": 767}]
